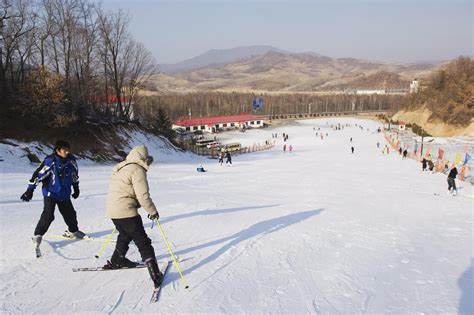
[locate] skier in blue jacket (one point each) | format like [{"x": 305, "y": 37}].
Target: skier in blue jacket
[{"x": 57, "y": 173}]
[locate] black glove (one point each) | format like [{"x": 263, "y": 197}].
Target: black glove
[
  {"x": 76, "y": 192},
  {"x": 154, "y": 216},
  {"x": 28, "y": 195}
]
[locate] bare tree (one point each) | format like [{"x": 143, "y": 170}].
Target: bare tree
[
  {"x": 85, "y": 52},
  {"x": 113, "y": 28},
  {"x": 140, "y": 67},
  {"x": 14, "y": 24}
]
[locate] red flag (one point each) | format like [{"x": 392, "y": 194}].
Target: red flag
[{"x": 440, "y": 154}]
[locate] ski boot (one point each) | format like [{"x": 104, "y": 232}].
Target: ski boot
[
  {"x": 37, "y": 240},
  {"x": 155, "y": 274},
  {"x": 78, "y": 234},
  {"x": 118, "y": 261}
]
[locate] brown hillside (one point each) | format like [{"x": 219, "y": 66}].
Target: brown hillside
[
  {"x": 288, "y": 72},
  {"x": 448, "y": 93}
]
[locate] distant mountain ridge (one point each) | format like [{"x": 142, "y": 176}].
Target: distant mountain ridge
[
  {"x": 216, "y": 57},
  {"x": 265, "y": 68}
]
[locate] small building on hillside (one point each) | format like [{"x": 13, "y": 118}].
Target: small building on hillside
[
  {"x": 219, "y": 123},
  {"x": 109, "y": 104},
  {"x": 370, "y": 92},
  {"x": 414, "y": 86},
  {"x": 401, "y": 125}
]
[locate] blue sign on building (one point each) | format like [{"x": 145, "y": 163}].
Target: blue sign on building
[{"x": 257, "y": 103}]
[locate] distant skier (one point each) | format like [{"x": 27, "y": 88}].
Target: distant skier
[
  {"x": 228, "y": 158},
  {"x": 200, "y": 169},
  {"x": 430, "y": 165},
  {"x": 221, "y": 156},
  {"x": 290, "y": 148},
  {"x": 405, "y": 153},
  {"x": 350, "y": 140},
  {"x": 58, "y": 172},
  {"x": 451, "y": 181},
  {"x": 352, "y": 150},
  {"x": 128, "y": 191},
  {"x": 284, "y": 148},
  {"x": 423, "y": 164},
  {"x": 400, "y": 150},
  {"x": 378, "y": 145},
  {"x": 446, "y": 168}
]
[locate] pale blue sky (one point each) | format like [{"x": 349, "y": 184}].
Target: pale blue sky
[{"x": 385, "y": 30}]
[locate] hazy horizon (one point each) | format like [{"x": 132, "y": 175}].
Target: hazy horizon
[{"x": 385, "y": 30}]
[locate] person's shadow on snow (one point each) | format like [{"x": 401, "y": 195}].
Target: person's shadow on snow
[
  {"x": 208, "y": 212},
  {"x": 261, "y": 228},
  {"x": 466, "y": 283}
]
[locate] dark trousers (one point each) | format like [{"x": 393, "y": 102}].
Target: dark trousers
[
  {"x": 451, "y": 183},
  {"x": 47, "y": 216},
  {"x": 131, "y": 229}
]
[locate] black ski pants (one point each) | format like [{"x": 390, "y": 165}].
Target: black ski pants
[
  {"x": 47, "y": 216},
  {"x": 451, "y": 183},
  {"x": 131, "y": 229}
]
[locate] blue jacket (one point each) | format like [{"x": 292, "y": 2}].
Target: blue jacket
[{"x": 57, "y": 175}]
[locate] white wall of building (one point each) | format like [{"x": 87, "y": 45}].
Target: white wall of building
[{"x": 223, "y": 126}]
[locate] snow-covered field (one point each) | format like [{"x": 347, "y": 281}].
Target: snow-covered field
[{"x": 318, "y": 230}]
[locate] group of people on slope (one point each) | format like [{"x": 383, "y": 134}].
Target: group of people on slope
[
  {"x": 225, "y": 153},
  {"x": 128, "y": 191},
  {"x": 427, "y": 164}
]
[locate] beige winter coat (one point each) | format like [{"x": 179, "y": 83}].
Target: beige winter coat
[{"x": 128, "y": 188}]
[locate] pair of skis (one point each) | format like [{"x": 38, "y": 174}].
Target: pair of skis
[
  {"x": 156, "y": 291},
  {"x": 61, "y": 236},
  {"x": 86, "y": 238}
]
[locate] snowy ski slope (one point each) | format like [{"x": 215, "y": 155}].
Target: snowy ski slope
[{"x": 318, "y": 230}]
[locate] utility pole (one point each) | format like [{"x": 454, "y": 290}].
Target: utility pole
[
  {"x": 309, "y": 108},
  {"x": 423, "y": 135},
  {"x": 421, "y": 154}
]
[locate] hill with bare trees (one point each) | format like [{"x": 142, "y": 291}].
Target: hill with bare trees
[
  {"x": 445, "y": 104},
  {"x": 275, "y": 71}
]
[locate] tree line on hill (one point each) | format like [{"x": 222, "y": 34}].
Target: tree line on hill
[
  {"x": 205, "y": 104},
  {"x": 65, "y": 61}
]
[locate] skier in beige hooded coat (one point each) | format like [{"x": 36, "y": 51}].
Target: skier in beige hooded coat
[{"x": 128, "y": 191}]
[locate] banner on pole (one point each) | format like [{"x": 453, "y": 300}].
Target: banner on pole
[
  {"x": 458, "y": 158},
  {"x": 257, "y": 103},
  {"x": 440, "y": 154},
  {"x": 467, "y": 158},
  {"x": 428, "y": 151}
]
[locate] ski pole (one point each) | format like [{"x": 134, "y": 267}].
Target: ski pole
[
  {"x": 105, "y": 243},
  {"x": 171, "y": 252}
]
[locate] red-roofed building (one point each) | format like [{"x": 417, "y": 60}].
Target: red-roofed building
[
  {"x": 111, "y": 99},
  {"x": 401, "y": 125},
  {"x": 214, "y": 124}
]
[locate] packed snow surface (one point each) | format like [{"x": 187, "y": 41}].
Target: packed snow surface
[{"x": 317, "y": 230}]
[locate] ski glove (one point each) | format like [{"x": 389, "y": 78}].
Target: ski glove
[
  {"x": 76, "y": 192},
  {"x": 28, "y": 195},
  {"x": 154, "y": 216}
]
